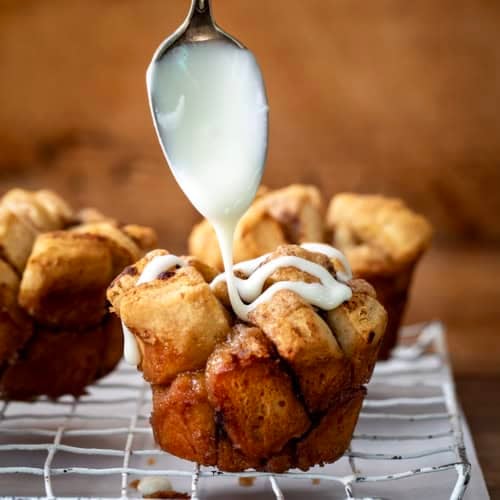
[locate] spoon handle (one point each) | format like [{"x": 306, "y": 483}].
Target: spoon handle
[
  {"x": 200, "y": 23},
  {"x": 201, "y": 5}
]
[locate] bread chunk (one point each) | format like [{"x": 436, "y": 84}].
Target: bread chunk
[
  {"x": 177, "y": 321},
  {"x": 122, "y": 248},
  {"x": 30, "y": 207},
  {"x": 183, "y": 420},
  {"x": 65, "y": 280},
  {"x": 16, "y": 239},
  {"x": 331, "y": 437},
  {"x": 254, "y": 395},
  {"x": 305, "y": 341},
  {"x": 231, "y": 459},
  {"x": 359, "y": 325},
  {"x": 377, "y": 234},
  {"x": 144, "y": 237}
]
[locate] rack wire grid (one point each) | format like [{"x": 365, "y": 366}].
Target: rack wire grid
[{"x": 95, "y": 446}]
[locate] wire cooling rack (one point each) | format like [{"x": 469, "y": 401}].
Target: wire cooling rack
[{"x": 408, "y": 442}]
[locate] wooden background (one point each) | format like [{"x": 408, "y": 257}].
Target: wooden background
[{"x": 386, "y": 96}]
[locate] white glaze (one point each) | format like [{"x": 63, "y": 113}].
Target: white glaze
[
  {"x": 225, "y": 236},
  {"x": 131, "y": 351},
  {"x": 327, "y": 294},
  {"x": 158, "y": 265},
  {"x": 151, "y": 271},
  {"x": 150, "y": 485},
  {"x": 344, "y": 274}
]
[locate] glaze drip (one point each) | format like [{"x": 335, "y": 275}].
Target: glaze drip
[
  {"x": 151, "y": 271},
  {"x": 328, "y": 294}
]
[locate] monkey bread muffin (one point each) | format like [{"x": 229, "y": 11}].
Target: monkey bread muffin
[
  {"x": 56, "y": 335},
  {"x": 281, "y": 389}
]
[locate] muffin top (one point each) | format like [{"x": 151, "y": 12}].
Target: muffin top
[{"x": 377, "y": 234}]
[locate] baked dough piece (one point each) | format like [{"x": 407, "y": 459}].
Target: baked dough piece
[
  {"x": 330, "y": 438},
  {"x": 383, "y": 240},
  {"x": 183, "y": 420},
  {"x": 144, "y": 237},
  {"x": 43, "y": 210},
  {"x": 290, "y": 215},
  {"x": 122, "y": 248},
  {"x": 66, "y": 276},
  {"x": 254, "y": 395},
  {"x": 16, "y": 239},
  {"x": 304, "y": 340},
  {"x": 65, "y": 280},
  {"x": 359, "y": 325},
  {"x": 377, "y": 234},
  {"x": 176, "y": 319},
  {"x": 23, "y": 215}
]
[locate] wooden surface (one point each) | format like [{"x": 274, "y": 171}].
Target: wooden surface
[{"x": 389, "y": 96}]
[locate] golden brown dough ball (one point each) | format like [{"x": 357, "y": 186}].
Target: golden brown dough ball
[
  {"x": 290, "y": 215},
  {"x": 176, "y": 319}
]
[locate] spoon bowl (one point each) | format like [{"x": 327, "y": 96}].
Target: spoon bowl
[{"x": 209, "y": 108}]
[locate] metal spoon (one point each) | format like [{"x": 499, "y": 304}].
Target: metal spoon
[{"x": 199, "y": 26}]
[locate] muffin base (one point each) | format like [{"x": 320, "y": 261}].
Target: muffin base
[
  {"x": 392, "y": 291},
  {"x": 54, "y": 363}
]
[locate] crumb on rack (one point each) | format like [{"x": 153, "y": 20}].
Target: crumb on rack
[
  {"x": 154, "y": 486},
  {"x": 134, "y": 484},
  {"x": 246, "y": 481},
  {"x": 315, "y": 481},
  {"x": 172, "y": 494},
  {"x": 151, "y": 460}
]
